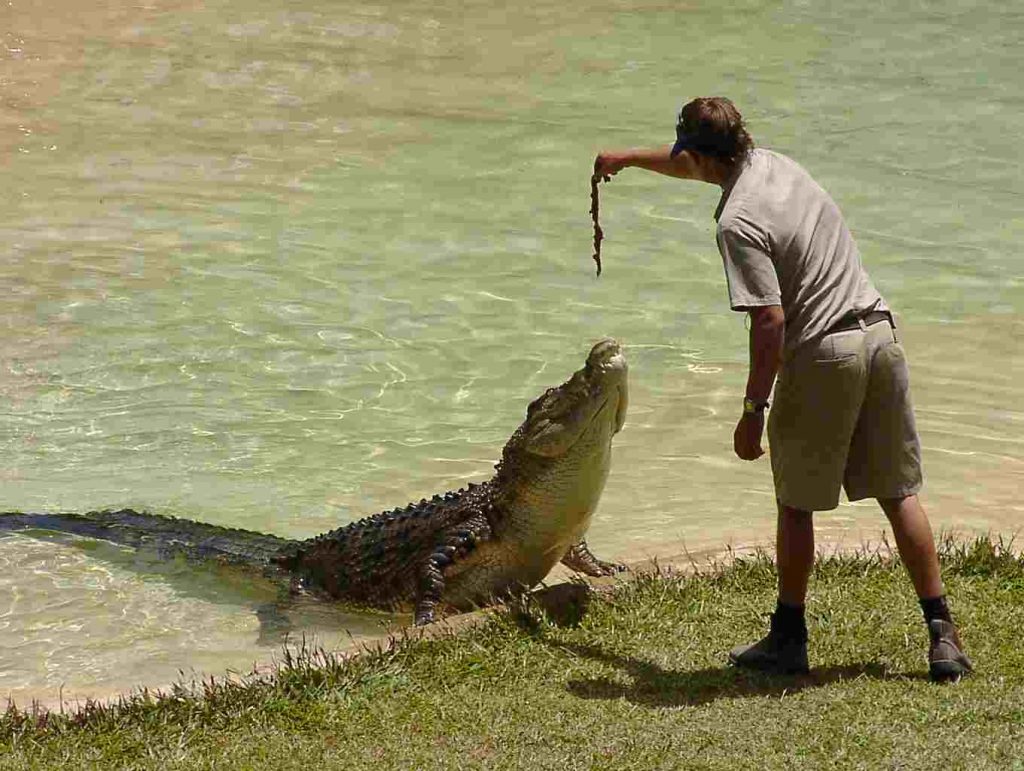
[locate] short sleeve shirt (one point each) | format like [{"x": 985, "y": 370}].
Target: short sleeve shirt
[{"x": 784, "y": 242}]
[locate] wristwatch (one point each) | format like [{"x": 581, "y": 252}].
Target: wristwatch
[{"x": 751, "y": 407}]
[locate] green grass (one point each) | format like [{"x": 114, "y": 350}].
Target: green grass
[{"x": 639, "y": 683}]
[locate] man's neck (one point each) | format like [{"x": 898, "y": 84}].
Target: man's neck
[{"x": 718, "y": 172}]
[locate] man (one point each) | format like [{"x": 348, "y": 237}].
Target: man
[{"x": 841, "y": 413}]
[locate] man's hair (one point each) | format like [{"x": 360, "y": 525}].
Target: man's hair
[{"x": 716, "y": 127}]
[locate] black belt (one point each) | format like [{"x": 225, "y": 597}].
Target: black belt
[{"x": 872, "y": 317}]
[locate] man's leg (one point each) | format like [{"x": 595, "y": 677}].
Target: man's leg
[
  {"x": 915, "y": 543},
  {"x": 816, "y": 402},
  {"x": 794, "y": 553},
  {"x": 784, "y": 650},
  {"x": 946, "y": 659}
]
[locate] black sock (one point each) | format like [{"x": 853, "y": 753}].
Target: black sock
[
  {"x": 788, "y": 622},
  {"x": 936, "y": 608}
]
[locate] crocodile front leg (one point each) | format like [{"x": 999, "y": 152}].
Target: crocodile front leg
[
  {"x": 581, "y": 559},
  {"x": 457, "y": 545}
]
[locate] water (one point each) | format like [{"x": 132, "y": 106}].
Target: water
[{"x": 280, "y": 269}]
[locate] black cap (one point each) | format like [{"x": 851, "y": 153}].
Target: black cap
[{"x": 684, "y": 141}]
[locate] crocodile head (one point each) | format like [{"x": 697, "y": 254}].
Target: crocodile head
[
  {"x": 554, "y": 467},
  {"x": 590, "y": 404}
]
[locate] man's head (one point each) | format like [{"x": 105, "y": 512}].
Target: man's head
[{"x": 713, "y": 127}]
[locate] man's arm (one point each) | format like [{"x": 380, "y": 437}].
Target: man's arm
[
  {"x": 653, "y": 159},
  {"x": 767, "y": 331}
]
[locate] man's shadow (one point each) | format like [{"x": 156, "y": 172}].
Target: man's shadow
[
  {"x": 565, "y": 605},
  {"x": 655, "y": 686}
]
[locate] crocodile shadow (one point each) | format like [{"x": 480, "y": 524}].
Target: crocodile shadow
[{"x": 281, "y": 614}]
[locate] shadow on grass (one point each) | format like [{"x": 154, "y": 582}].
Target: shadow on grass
[{"x": 655, "y": 686}]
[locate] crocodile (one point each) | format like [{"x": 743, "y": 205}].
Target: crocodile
[{"x": 458, "y": 550}]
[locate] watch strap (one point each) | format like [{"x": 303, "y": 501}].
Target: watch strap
[{"x": 753, "y": 407}]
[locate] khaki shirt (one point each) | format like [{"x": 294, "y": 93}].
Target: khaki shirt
[{"x": 784, "y": 242}]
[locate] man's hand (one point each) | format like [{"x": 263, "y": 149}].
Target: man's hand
[
  {"x": 746, "y": 440},
  {"x": 609, "y": 163}
]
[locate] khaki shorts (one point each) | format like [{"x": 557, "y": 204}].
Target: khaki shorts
[{"x": 841, "y": 415}]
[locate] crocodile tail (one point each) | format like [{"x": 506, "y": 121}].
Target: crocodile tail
[{"x": 168, "y": 535}]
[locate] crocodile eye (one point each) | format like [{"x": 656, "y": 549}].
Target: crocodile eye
[{"x": 536, "y": 403}]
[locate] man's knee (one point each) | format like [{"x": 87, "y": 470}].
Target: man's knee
[
  {"x": 792, "y": 512},
  {"x": 896, "y": 507}
]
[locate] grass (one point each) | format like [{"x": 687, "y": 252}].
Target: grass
[{"x": 638, "y": 683}]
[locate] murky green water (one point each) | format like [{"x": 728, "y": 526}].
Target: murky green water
[{"x": 279, "y": 269}]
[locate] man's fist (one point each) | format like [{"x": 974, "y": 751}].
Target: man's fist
[
  {"x": 608, "y": 163},
  {"x": 746, "y": 440}
]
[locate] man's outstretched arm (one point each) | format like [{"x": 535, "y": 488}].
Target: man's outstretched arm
[{"x": 656, "y": 159}]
